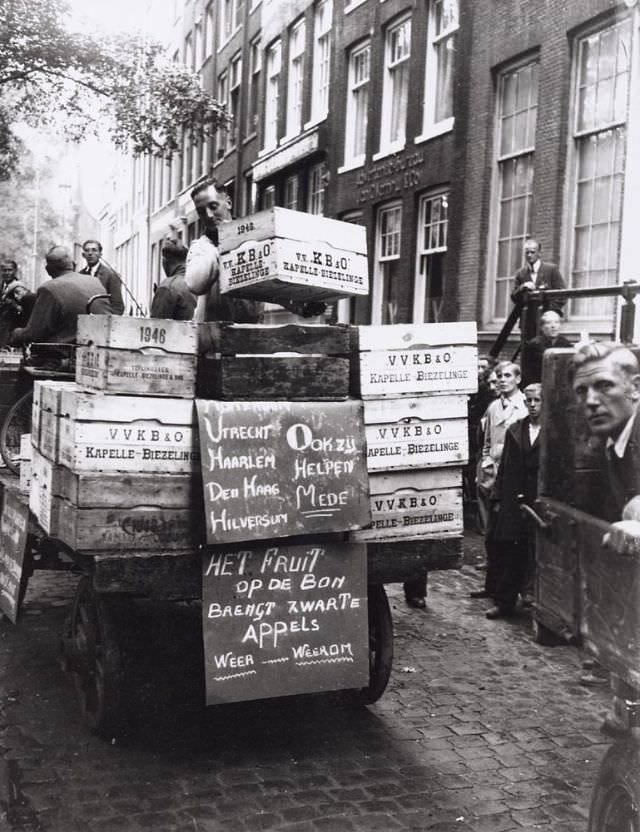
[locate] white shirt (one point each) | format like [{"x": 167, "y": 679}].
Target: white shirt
[
  {"x": 534, "y": 430},
  {"x": 620, "y": 444}
]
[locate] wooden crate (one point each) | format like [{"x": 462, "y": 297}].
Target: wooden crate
[
  {"x": 127, "y": 433},
  {"x": 415, "y": 359},
  {"x": 282, "y": 254},
  {"x": 417, "y": 432},
  {"x": 128, "y": 333},
  {"x": 142, "y": 527},
  {"x": 105, "y": 490},
  {"x": 142, "y": 372},
  {"x": 285, "y": 363},
  {"x": 414, "y": 504}
]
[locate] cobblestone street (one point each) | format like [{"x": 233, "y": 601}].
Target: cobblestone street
[{"x": 479, "y": 729}]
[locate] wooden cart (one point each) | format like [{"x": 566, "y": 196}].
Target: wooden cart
[{"x": 586, "y": 593}]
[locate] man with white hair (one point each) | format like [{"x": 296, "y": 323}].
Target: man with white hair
[{"x": 535, "y": 348}]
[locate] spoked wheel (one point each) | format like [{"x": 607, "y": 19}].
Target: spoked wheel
[
  {"x": 615, "y": 805},
  {"x": 92, "y": 652},
  {"x": 380, "y": 646},
  {"x": 16, "y": 422}
]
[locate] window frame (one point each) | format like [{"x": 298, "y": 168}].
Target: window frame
[
  {"x": 430, "y": 126},
  {"x": 523, "y": 153},
  {"x": 379, "y": 277},
  {"x": 295, "y": 79},
  {"x": 353, "y": 160},
  {"x": 273, "y": 78},
  {"x": 322, "y": 41},
  {"x": 392, "y": 65},
  {"x": 420, "y": 277},
  {"x": 315, "y": 196}
]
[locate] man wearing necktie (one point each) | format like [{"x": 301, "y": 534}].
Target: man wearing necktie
[
  {"x": 607, "y": 385},
  {"x": 537, "y": 274}
]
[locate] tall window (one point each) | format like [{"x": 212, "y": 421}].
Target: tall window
[
  {"x": 296, "y": 78},
  {"x": 221, "y": 133},
  {"x": 291, "y": 192},
  {"x": 433, "y": 223},
  {"x": 345, "y": 307},
  {"x": 321, "y": 59},
  {"x": 230, "y": 18},
  {"x": 255, "y": 66},
  {"x": 315, "y": 196},
  {"x": 269, "y": 197},
  {"x": 439, "y": 76},
  {"x": 235, "y": 78},
  {"x": 395, "y": 94},
  {"x": 208, "y": 32},
  {"x": 274, "y": 63},
  {"x": 516, "y": 130},
  {"x": 357, "y": 105},
  {"x": 384, "y": 299},
  {"x": 188, "y": 51},
  {"x": 600, "y": 132}
]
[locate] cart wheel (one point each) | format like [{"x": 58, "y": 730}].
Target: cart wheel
[
  {"x": 380, "y": 647},
  {"x": 615, "y": 805},
  {"x": 92, "y": 652},
  {"x": 16, "y": 422},
  {"x": 544, "y": 636}
]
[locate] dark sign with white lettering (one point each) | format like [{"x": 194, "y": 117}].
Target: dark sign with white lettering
[
  {"x": 278, "y": 469},
  {"x": 14, "y": 521},
  {"x": 283, "y": 620}
]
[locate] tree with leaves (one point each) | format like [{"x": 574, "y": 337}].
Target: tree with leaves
[{"x": 54, "y": 78}]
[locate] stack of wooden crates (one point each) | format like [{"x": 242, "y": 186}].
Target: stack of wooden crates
[
  {"x": 414, "y": 380},
  {"x": 115, "y": 456}
]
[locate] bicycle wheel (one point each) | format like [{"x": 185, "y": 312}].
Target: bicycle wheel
[{"x": 17, "y": 421}]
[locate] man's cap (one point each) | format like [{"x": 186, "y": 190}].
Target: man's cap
[{"x": 174, "y": 251}]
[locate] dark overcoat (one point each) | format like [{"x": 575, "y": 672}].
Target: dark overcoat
[{"x": 517, "y": 474}]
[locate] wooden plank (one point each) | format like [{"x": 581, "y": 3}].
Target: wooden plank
[
  {"x": 121, "y": 490},
  {"x": 129, "y": 333},
  {"x": 282, "y": 620},
  {"x": 143, "y": 446},
  {"x": 294, "y": 225},
  {"x": 284, "y": 378},
  {"x": 419, "y": 337},
  {"x": 41, "y": 490},
  {"x": 14, "y": 522},
  {"x": 25, "y": 463},
  {"x": 395, "y": 372},
  {"x": 401, "y": 560},
  {"x": 283, "y": 269},
  {"x": 93, "y": 406},
  {"x": 558, "y": 423},
  {"x": 136, "y": 372},
  {"x": 144, "y": 527},
  {"x": 426, "y": 479},
  {"x": 381, "y": 411},
  {"x": 260, "y": 339},
  {"x": 49, "y": 435},
  {"x": 417, "y": 444},
  {"x": 276, "y": 469}
]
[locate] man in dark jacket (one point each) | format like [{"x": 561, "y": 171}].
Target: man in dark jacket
[
  {"x": 537, "y": 275},
  {"x": 172, "y": 298},
  {"x": 92, "y": 253},
  {"x": 517, "y": 475},
  {"x": 535, "y": 348},
  {"x": 59, "y": 301}
]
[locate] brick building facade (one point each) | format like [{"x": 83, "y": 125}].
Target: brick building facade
[{"x": 452, "y": 129}]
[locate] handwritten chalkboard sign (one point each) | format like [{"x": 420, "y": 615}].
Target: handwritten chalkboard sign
[
  {"x": 278, "y": 469},
  {"x": 283, "y": 620},
  {"x": 14, "y": 521}
]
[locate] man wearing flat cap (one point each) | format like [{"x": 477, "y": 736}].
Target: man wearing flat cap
[{"x": 172, "y": 298}]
